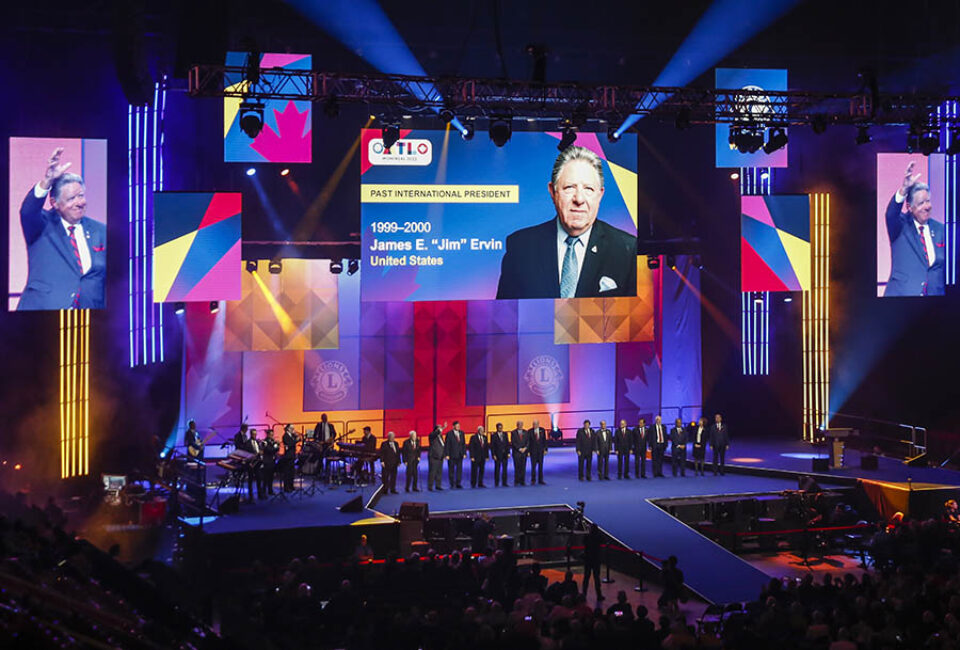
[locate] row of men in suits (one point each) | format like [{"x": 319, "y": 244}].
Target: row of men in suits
[
  {"x": 521, "y": 445},
  {"x": 626, "y": 441}
]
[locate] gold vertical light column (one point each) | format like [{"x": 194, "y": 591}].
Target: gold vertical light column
[
  {"x": 74, "y": 392},
  {"x": 816, "y": 323}
]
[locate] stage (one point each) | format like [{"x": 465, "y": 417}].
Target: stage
[{"x": 625, "y": 509}]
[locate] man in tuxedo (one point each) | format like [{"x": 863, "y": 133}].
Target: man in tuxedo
[
  {"x": 324, "y": 431},
  {"x": 518, "y": 443},
  {"x": 435, "y": 454},
  {"x": 290, "y": 440},
  {"x": 479, "y": 452},
  {"x": 66, "y": 250},
  {"x": 699, "y": 433},
  {"x": 573, "y": 254},
  {"x": 455, "y": 450},
  {"x": 623, "y": 443},
  {"x": 585, "y": 446},
  {"x": 270, "y": 449},
  {"x": 389, "y": 462},
  {"x": 917, "y": 242},
  {"x": 500, "y": 448},
  {"x": 678, "y": 448},
  {"x": 537, "y": 437},
  {"x": 658, "y": 444},
  {"x": 640, "y": 440},
  {"x": 604, "y": 443},
  {"x": 411, "y": 460},
  {"x": 719, "y": 441}
]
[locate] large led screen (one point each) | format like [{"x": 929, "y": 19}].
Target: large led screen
[
  {"x": 911, "y": 239},
  {"x": 58, "y": 223},
  {"x": 449, "y": 219},
  {"x": 775, "y": 243}
]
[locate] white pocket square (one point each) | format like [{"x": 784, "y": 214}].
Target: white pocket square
[{"x": 607, "y": 284}]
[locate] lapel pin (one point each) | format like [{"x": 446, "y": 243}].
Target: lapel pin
[{"x": 594, "y": 249}]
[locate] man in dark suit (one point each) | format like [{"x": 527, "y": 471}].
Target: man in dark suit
[
  {"x": 623, "y": 443},
  {"x": 192, "y": 441},
  {"x": 658, "y": 444},
  {"x": 455, "y": 450},
  {"x": 411, "y": 460},
  {"x": 917, "y": 243},
  {"x": 500, "y": 448},
  {"x": 640, "y": 440},
  {"x": 66, "y": 250},
  {"x": 389, "y": 462},
  {"x": 678, "y": 448},
  {"x": 270, "y": 448},
  {"x": 518, "y": 443},
  {"x": 537, "y": 437},
  {"x": 324, "y": 431},
  {"x": 604, "y": 442},
  {"x": 699, "y": 434},
  {"x": 719, "y": 441},
  {"x": 435, "y": 454},
  {"x": 574, "y": 254},
  {"x": 585, "y": 446},
  {"x": 479, "y": 452}
]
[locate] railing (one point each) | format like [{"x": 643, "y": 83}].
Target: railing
[{"x": 887, "y": 431}]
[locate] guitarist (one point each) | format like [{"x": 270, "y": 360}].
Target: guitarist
[{"x": 192, "y": 441}]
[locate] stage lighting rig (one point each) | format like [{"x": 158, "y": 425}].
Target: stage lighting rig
[
  {"x": 653, "y": 262},
  {"x": 819, "y": 123},
  {"x": 776, "y": 139},
  {"x": 251, "y": 117},
  {"x": 179, "y": 308},
  {"x": 353, "y": 266},
  {"x": 467, "y": 133},
  {"x": 568, "y": 137},
  {"x": 682, "y": 121},
  {"x": 275, "y": 267},
  {"x": 214, "y": 306},
  {"x": 446, "y": 115},
  {"x": 390, "y": 134},
  {"x": 500, "y": 130},
  {"x": 251, "y": 266},
  {"x": 612, "y": 135},
  {"x": 746, "y": 139},
  {"x": 672, "y": 262},
  {"x": 336, "y": 267},
  {"x": 929, "y": 140},
  {"x": 863, "y": 134}
]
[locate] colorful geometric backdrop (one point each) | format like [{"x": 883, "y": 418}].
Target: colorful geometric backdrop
[
  {"x": 775, "y": 243},
  {"x": 287, "y": 125},
  {"x": 196, "y": 246}
]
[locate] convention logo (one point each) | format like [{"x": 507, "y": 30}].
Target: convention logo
[
  {"x": 331, "y": 381},
  {"x": 406, "y": 152},
  {"x": 543, "y": 375}
]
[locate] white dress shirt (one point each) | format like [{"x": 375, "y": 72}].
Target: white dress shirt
[
  {"x": 579, "y": 249},
  {"x": 927, "y": 239},
  {"x": 82, "y": 247}
]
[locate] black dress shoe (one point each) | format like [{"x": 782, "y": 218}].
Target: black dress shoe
[{"x": 542, "y": 482}]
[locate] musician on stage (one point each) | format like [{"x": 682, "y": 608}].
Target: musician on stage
[
  {"x": 290, "y": 440},
  {"x": 623, "y": 443},
  {"x": 604, "y": 442},
  {"x": 270, "y": 448},
  {"x": 500, "y": 450},
  {"x": 537, "y": 437},
  {"x": 192, "y": 441},
  {"x": 411, "y": 460},
  {"x": 455, "y": 449},
  {"x": 240, "y": 437},
  {"x": 324, "y": 432},
  {"x": 518, "y": 444},
  {"x": 369, "y": 442},
  {"x": 255, "y": 447},
  {"x": 658, "y": 445},
  {"x": 699, "y": 435},
  {"x": 640, "y": 444},
  {"x": 435, "y": 455},
  {"x": 678, "y": 448},
  {"x": 479, "y": 452},
  {"x": 585, "y": 447},
  {"x": 389, "y": 462}
]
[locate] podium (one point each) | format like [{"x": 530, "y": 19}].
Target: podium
[{"x": 836, "y": 438}]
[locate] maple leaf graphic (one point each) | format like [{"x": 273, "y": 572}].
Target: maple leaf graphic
[
  {"x": 644, "y": 389},
  {"x": 292, "y": 144}
]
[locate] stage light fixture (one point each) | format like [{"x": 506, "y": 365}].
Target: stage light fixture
[
  {"x": 251, "y": 171},
  {"x": 929, "y": 141},
  {"x": 682, "y": 121},
  {"x": 863, "y": 134},
  {"x": 214, "y": 306},
  {"x": 285, "y": 171},
  {"x": 353, "y": 266},
  {"x": 251, "y": 118},
  {"x": 275, "y": 267},
  {"x": 653, "y": 262},
  {"x": 788, "y": 299},
  {"x": 765, "y": 175},
  {"x": 819, "y": 123},
  {"x": 467, "y": 133},
  {"x": 698, "y": 262},
  {"x": 612, "y": 134},
  {"x": 390, "y": 134},
  {"x": 734, "y": 176},
  {"x": 746, "y": 139},
  {"x": 776, "y": 139},
  {"x": 500, "y": 131},
  {"x": 446, "y": 115},
  {"x": 672, "y": 262},
  {"x": 179, "y": 308},
  {"x": 331, "y": 107},
  {"x": 568, "y": 137},
  {"x": 336, "y": 267},
  {"x": 252, "y": 266},
  {"x": 954, "y": 147}
]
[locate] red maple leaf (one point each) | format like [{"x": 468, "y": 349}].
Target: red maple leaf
[{"x": 292, "y": 144}]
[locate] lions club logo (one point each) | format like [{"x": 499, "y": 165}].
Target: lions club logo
[
  {"x": 543, "y": 375},
  {"x": 331, "y": 381}
]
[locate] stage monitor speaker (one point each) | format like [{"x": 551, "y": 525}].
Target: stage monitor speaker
[
  {"x": 916, "y": 461},
  {"x": 353, "y": 505},
  {"x": 868, "y": 461},
  {"x": 808, "y": 484},
  {"x": 821, "y": 464},
  {"x": 230, "y": 506},
  {"x": 414, "y": 511}
]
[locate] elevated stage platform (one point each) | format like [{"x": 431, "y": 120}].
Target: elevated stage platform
[{"x": 625, "y": 509}]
